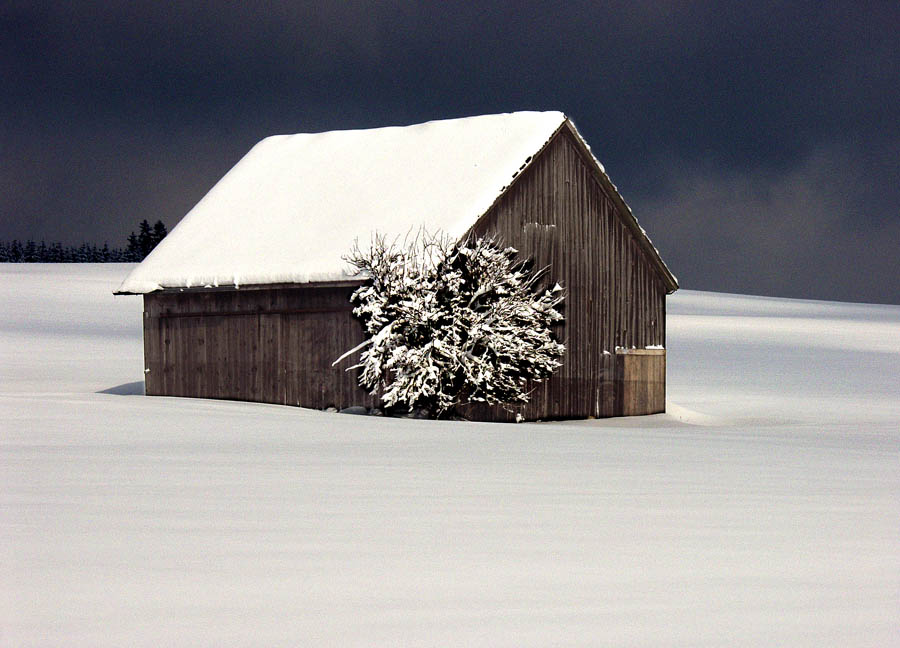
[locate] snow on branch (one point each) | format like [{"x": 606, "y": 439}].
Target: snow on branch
[{"x": 449, "y": 322}]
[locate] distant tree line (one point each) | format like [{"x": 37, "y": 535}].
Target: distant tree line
[{"x": 137, "y": 248}]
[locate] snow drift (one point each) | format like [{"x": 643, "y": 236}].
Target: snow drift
[{"x": 761, "y": 510}]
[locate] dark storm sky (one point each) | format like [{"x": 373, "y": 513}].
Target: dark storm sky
[{"x": 758, "y": 143}]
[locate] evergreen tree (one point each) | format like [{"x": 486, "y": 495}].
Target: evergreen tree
[
  {"x": 29, "y": 254},
  {"x": 159, "y": 232},
  {"x": 133, "y": 251},
  {"x": 145, "y": 239},
  {"x": 15, "y": 251}
]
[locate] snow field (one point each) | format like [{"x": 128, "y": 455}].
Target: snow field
[{"x": 761, "y": 510}]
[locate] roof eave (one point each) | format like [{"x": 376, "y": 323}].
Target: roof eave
[
  {"x": 669, "y": 280},
  {"x": 340, "y": 283}
]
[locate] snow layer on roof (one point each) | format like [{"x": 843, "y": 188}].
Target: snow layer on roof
[{"x": 295, "y": 204}]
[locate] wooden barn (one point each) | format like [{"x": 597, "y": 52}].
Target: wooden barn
[{"x": 247, "y": 298}]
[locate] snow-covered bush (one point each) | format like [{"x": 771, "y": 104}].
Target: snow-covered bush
[{"x": 449, "y": 322}]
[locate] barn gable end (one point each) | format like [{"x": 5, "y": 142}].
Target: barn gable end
[{"x": 563, "y": 212}]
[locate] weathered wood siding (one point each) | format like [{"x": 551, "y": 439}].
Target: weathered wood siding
[
  {"x": 268, "y": 345},
  {"x": 559, "y": 213},
  {"x": 641, "y": 377}
]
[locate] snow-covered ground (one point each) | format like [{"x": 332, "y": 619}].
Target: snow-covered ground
[{"x": 762, "y": 510}]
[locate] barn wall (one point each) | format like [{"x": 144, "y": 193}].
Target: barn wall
[
  {"x": 558, "y": 213},
  {"x": 269, "y": 345}
]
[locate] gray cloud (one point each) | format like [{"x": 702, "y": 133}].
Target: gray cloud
[
  {"x": 117, "y": 111},
  {"x": 819, "y": 229}
]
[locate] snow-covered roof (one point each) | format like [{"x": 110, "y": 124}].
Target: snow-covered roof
[
  {"x": 295, "y": 204},
  {"x": 289, "y": 210}
]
